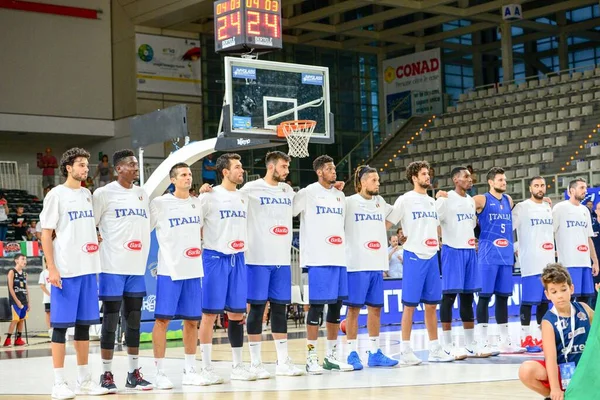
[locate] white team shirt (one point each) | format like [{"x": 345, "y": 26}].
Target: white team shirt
[
  {"x": 70, "y": 214},
  {"x": 457, "y": 219},
  {"x": 572, "y": 229},
  {"x": 534, "y": 226},
  {"x": 225, "y": 220},
  {"x": 322, "y": 217},
  {"x": 366, "y": 235},
  {"x": 416, "y": 212},
  {"x": 123, "y": 217},
  {"x": 46, "y": 282},
  {"x": 269, "y": 223},
  {"x": 178, "y": 224}
]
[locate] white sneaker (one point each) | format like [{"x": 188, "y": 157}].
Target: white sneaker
[
  {"x": 507, "y": 347},
  {"x": 475, "y": 350},
  {"x": 62, "y": 391},
  {"x": 408, "y": 357},
  {"x": 492, "y": 348},
  {"x": 192, "y": 378},
  {"x": 260, "y": 371},
  {"x": 312, "y": 364},
  {"x": 90, "y": 388},
  {"x": 288, "y": 369},
  {"x": 162, "y": 382},
  {"x": 332, "y": 362},
  {"x": 241, "y": 372},
  {"x": 437, "y": 354},
  {"x": 453, "y": 352},
  {"x": 209, "y": 375}
]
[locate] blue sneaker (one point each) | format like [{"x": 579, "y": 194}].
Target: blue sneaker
[
  {"x": 381, "y": 360},
  {"x": 354, "y": 360}
]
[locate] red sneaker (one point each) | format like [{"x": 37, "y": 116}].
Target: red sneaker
[
  {"x": 530, "y": 345},
  {"x": 538, "y": 343},
  {"x": 20, "y": 342},
  {"x": 7, "y": 342}
]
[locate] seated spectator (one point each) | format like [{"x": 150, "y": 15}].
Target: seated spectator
[
  {"x": 20, "y": 223},
  {"x": 395, "y": 257},
  {"x": 31, "y": 231},
  {"x": 3, "y": 217}
]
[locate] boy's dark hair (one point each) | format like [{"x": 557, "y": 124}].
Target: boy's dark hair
[
  {"x": 224, "y": 162},
  {"x": 557, "y": 274},
  {"x": 320, "y": 162},
  {"x": 273, "y": 156},
  {"x": 17, "y": 256},
  {"x": 121, "y": 154},
  {"x": 493, "y": 172},
  {"x": 69, "y": 157},
  {"x": 174, "y": 168},
  {"x": 414, "y": 168}
]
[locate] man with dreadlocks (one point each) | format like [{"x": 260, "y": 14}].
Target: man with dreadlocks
[{"x": 366, "y": 254}]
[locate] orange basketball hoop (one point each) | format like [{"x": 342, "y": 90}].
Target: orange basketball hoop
[{"x": 297, "y": 134}]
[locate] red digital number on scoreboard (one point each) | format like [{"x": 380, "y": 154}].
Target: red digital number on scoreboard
[
  {"x": 262, "y": 24},
  {"x": 229, "y": 25},
  {"x": 264, "y": 5},
  {"x": 227, "y": 6}
]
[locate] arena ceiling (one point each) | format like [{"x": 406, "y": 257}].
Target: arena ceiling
[{"x": 383, "y": 27}]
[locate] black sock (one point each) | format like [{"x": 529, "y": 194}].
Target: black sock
[
  {"x": 8, "y": 335},
  {"x": 19, "y": 335}
]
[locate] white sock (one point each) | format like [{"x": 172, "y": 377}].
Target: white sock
[
  {"x": 158, "y": 362},
  {"x": 237, "y": 355},
  {"x": 352, "y": 345},
  {"x": 190, "y": 362},
  {"x": 50, "y": 333},
  {"x": 374, "y": 340},
  {"x": 83, "y": 373},
  {"x": 311, "y": 343},
  {"x": 535, "y": 331},
  {"x": 405, "y": 345},
  {"x": 447, "y": 337},
  {"x": 483, "y": 332},
  {"x": 107, "y": 365},
  {"x": 525, "y": 331},
  {"x": 469, "y": 336},
  {"x": 255, "y": 348},
  {"x": 59, "y": 375},
  {"x": 433, "y": 344},
  {"x": 281, "y": 345},
  {"x": 133, "y": 362},
  {"x": 331, "y": 345},
  {"x": 206, "y": 351},
  {"x": 503, "y": 331}
]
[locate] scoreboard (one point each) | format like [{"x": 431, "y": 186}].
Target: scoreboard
[{"x": 241, "y": 25}]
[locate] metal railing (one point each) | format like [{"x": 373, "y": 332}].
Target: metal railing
[
  {"x": 395, "y": 120},
  {"x": 9, "y": 175}
]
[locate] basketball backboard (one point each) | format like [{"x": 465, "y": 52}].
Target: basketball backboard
[{"x": 259, "y": 95}]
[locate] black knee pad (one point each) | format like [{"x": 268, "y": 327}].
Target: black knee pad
[
  {"x": 235, "y": 332},
  {"x": 255, "y": 317},
  {"x": 110, "y": 320},
  {"x": 59, "y": 335},
  {"x": 278, "y": 318},
  {"x": 132, "y": 333},
  {"x": 501, "y": 309},
  {"x": 540, "y": 311},
  {"x": 525, "y": 314},
  {"x": 82, "y": 333},
  {"x": 483, "y": 312},
  {"x": 333, "y": 313},
  {"x": 446, "y": 307},
  {"x": 314, "y": 314},
  {"x": 466, "y": 307}
]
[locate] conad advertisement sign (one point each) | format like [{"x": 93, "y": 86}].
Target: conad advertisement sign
[{"x": 418, "y": 76}]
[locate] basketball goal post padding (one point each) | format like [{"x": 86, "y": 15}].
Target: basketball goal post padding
[{"x": 585, "y": 384}]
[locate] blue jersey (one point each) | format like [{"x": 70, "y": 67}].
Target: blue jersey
[
  {"x": 496, "y": 237},
  {"x": 581, "y": 332}
]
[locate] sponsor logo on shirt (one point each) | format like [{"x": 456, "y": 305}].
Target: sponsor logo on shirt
[
  {"x": 501, "y": 243},
  {"x": 133, "y": 245},
  {"x": 430, "y": 242},
  {"x": 373, "y": 245},
  {"x": 471, "y": 242},
  {"x": 232, "y": 214},
  {"x": 334, "y": 240},
  {"x": 236, "y": 244},
  {"x": 578, "y": 224},
  {"x": 279, "y": 230},
  {"x": 192, "y": 252},
  {"x": 583, "y": 248},
  {"x": 548, "y": 246},
  {"x": 89, "y": 248}
]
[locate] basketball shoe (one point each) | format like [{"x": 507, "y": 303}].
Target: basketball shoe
[
  {"x": 530, "y": 345},
  {"x": 437, "y": 354},
  {"x": 107, "y": 381},
  {"x": 332, "y": 362},
  {"x": 354, "y": 360},
  {"x": 312, "y": 363},
  {"x": 408, "y": 357},
  {"x": 379, "y": 359}
]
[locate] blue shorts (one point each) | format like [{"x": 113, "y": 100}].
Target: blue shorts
[
  {"x": 225, "y": 283},
  {"x": 18, "y": 314},
  {"x": 75, "y": 303},
  {"x": 582, "y": 280},
  {"x": 459, "y": 271},
  {"x": 269, "y": 282},
  {"x": 532, "y": 290},
  {"x": 114, "y": 286},
  {"x": 365, "y": 288},
  {"x": 421, "y": 282},
  {"x": 181, "y": 299},
  {"x": 496, "y": 279},
  {"x": 327, "y": 284}
]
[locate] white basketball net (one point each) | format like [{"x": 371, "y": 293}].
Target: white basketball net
[{"x": 297, "y": 134}]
